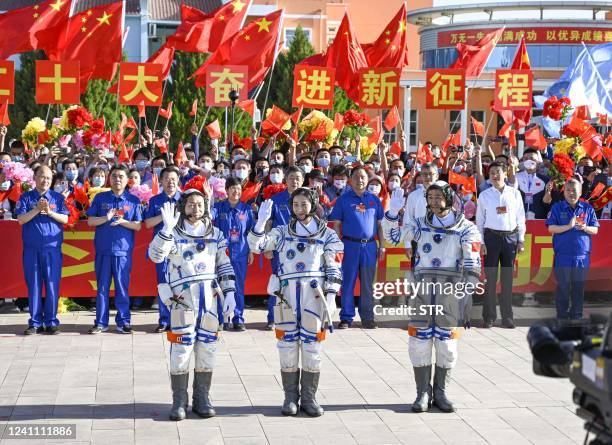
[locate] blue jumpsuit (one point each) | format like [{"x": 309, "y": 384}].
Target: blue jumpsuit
[
  {"x": 42, "y": 256},
  {"x": 235, "y": 223},
  {"x": 114, "y": 246},
  {"x": 281, "y": 214},
  {"x": 153, "y": 210},
  {"x": 359, "y": 217},
  {"x": 572, "y": 250}
]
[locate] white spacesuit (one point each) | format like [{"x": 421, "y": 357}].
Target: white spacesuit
[
  {"x": 446, "y": 259},
  {"x": 308, "y": 279},
  {"x": 199, "y": 287}
]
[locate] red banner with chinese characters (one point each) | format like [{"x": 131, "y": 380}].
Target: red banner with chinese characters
[
  {"x": 445, "y": 89},
  {"x": 313, "y": 87},
  {"x": 140, "y": 83},
  {"x": 568, "y": 35},
  {"x": 221, "y": 79},
  {"x": 7, "y": 81},
  {"x": 533, "y": 268},
  {"x": 513, "y": 89},
  {"x": 58, "y": 82},
  {"x": 379, "y": 87}
]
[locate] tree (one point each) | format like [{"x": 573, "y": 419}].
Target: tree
[{"x": 25, "y": 107}]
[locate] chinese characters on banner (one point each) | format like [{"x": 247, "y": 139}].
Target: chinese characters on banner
[
  {"x": 445, "y": 89},
  {"x": 313, "y": 87},
  {"x": 7, "y": 82},
  {"x": 221, "y": 79},
  {"x": 547, "y": 34},
  {"x": 57, "y": 82},
  {"x": 140, "y": 84},
  {"x": 513, "y": 89},
  {"x": 379, "y": 87}
]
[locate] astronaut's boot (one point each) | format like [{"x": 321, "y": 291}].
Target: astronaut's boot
[
  {"x": 441, "y": 382},
  {"x": 291, "y": 386},
  {"x": 308, "y": 404},
  {"x": 201, "y": 389},
  {"x": 180, "y": 397},
  {"x": 422, "y": 377}
]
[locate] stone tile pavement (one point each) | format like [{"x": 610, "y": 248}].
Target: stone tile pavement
[{"x": 116, "y": 389}]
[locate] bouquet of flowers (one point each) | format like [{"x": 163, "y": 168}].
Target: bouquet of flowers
[
  {"x": 20, "y": 174},
  {"x": 562, "y": 168},
  {"x": 75, "y": 118},
  {"x": 358, "y": 122},
  {"x": 32, "y": 130},
  {"x": 218, "y": 188},
  {"x": 93, "y": 191},
  {"x": 557, "y": 109},
  {"x": 143, "y": 192},
  {"x": 316, "y": 119}
]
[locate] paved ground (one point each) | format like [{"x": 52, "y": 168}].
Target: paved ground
[{"x": 116, "y": 389}]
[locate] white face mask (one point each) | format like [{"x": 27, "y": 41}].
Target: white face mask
[
  {"x": 374, "y": 188},
  {"x": 307, "y": 168},
  {"x": 276, "y": 161},
  {"x": 398, "y": 172},
  {"x": 435, "y": 152},
  {"x": 393, "y": 185},
  {"x": 323, "y": 162},
  {"x": 241, "y": 174},
  {"x": 339, "y": 183},
  {"x": 60, "y": 187},
  {"x": 346, "y": 143},
  {"x": 276, "y": 178},
  {"x": 206, "y": 166},
  {"x": 238, "y": 157},
  {"x": 530, "y": 164},
  {"x": 5, "y": 186}
]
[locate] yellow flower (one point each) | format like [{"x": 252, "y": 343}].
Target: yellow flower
[
  {"x": 366, "y": 148},
  {"x": 93, "y": 191},
  {"x": 580, "y": 152},
  {"x": 30, "y": 132},
  {"x": 64, "y": 120},
  {"x": 564, "y": 145}
]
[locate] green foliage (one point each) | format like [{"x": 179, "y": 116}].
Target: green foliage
[{"x": 25, "y": 106}]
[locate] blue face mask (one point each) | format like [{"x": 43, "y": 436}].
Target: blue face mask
[
  {"x": 323, "y": 162},
  {"x": 97, "y": 181},
  {"x": 335, "y": 160},
  {"x": 5, "y": 186},
  {"x": 141, "y": 164},
  {"x": 71, "y": 175}
]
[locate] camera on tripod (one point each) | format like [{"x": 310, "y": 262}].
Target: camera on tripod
[{"x": 581, "y": 351}]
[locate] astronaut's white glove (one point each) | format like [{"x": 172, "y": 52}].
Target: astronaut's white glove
[
  {"x": 264, "y": 214},
  {"x": 331, "y": 303},
  {"x": 165, "y": 293},
  {"x": 396, "y": 203},
  {"x": 169, "y": 217},
  {"x": 229, "y": 304}
]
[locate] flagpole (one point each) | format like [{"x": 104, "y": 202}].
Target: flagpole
[
  {"x": 48, "y": 111},
  {"x": 162, "y": 102},
  {"x": 258, "y": 89},
  {"x": 598, "y": 74},
  {"x": 203, "y": 122}
]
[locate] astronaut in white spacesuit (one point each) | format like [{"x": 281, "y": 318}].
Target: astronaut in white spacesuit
[
  {"x": 446, "y": 260},
  {"x": 199, "y": 287},
  {"x": 307, "y": 281}
]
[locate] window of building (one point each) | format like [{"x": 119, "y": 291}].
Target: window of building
[
  {"x": 413, "y": 124},
  {"x": 290, "y": 34},
  {"x": 332, "y": 29},
  {"x": 454, "y": 124}
]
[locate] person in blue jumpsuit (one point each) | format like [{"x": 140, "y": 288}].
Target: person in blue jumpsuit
[
  {"x": 572, "y": 223},
  {"x": 357, "y": 217},
  {"x": 116, "y": 215},
  {"x": 41, "y": 213},
  {"x": 169, "y": 178},
  {"x": 235, "y": 220},
  {"x": 281, "y": 214}
]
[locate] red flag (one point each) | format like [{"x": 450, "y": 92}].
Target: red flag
[
  {"x": 424, "y": 154},
  {"x": 164, "y": 57},
  {"x": 15, "y": 193},
  {"x": 512, "y": 138},
  {"x": 4, "y": 116},
  {"x": 392, "y": 119},
  {"x": 248, "y": 106},
  {"x": 535, "y": 138},
  {"x": 338, "y": 122},
  {"x": 155, "y": 184},
  {"x": 390, "y": 50},
  {"x": 93, "y": 37},
  {"x": 295, "y": 116},
  {"x": 396, "y": 149},
  {"x": 377, "y": 132},
  {"x": 347, "y": 57},
  {"x": 253, "y": 46},
  {"x": 194, "y": 108},
  {"x": 456, "y": 138},
  {"x": 167, "y": 113},
  {"x": 275, "y": 121},
  {"x": 602, "y": 119},
  {"x": 20, "y": 27},
  {"x": 213, "y": 129},
  {"x": 479, "y": 128},
  {"x": 124, "y": 156},
  {"x": 593, "y": 146},
  {"x": 468, "y": 184},
  {"x": 141, "y": 110},
  {"x": 473, "y": 58},
  {"x": 582, "y": 112},
  {"x": 161, "y": 144},
  {"x": 521, "y": 62},
  {"x": 131, "y": 123},
  {"x": 318, "y": 134},
  {"x": 203, "y": 33},
  {"x": 180, "y": 157},
  {"x": 505, "y": 130}
]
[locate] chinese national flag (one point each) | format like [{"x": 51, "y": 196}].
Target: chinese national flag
[
  {"x": 164, "y": 57},
  {"x": 276, "y": 120},
  {"x": 124, "y": 156},
  {"x": 396, "y": 149},
  {"x": 479, "y": 128},
  {"x": 180, "y": 157},
  {"x": 20, "y": 26},
  {"x": 93, "y": 37},
  {"x": 167, "y": 113},
  {"x": 57, "y": 82},
  {"x": 253, "y": 46},
  {"x": 204, "y": 33},
  {"x": 505, "y": 130},
  {"x": 390, "y": 50},
  {"x": 582, "y": 112},
  {"x": 155, "y": 182},
  {"x": 194, "y": 108},
  {"x": 247, "y": 105},
  {"x": 318, "y": 134},
  {"x": 473, "y": 58},
  {"x": 142, "y": 111},
  {"x": 161, "y": 144},
  {"x": 392, "y": 119},
  {"x": 521, "y": 62},
  {"x": 535, "y": 138},
  {"x": 456, "y": 138},
  {"x": 377, "y": 132},
  {"x": 4, "y": 116},
  {"x": 424, "y": 154},
  {"x": 512, "y": 138},
  {"x": 297, "y": 114},
  {"x": 338, "y": 122},
  {"x": 213, "y": 129},
  {"x": 468, "y": 184}
]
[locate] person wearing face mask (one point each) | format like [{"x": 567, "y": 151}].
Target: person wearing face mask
[
  {"x": 7, "y": 197},
  {"x": 42, "y": 213},
  {"x": 398, "y": 168},
  {"x": 307, "y": 285},
  {"x": 250, "y": 189},
  {"x": 97, "y": 177},
  {"x": 60, "y": 185},
  {"x": 142, "y": 163},
  {"x": 206, "y": 165},
  {"x": 158, "y": 163},
  {"x": 222, "y": 169},
  {"x": 335, "y": 155},
  {"x": 393, "y": 182},
  {"x": 532, "y": 186},
  {"x": 338, "y": 187},
  {"x": 377, "y": 188},
  {"x": 306, "y": 164},
  {"x": 277, "y": 158},
  {"x": 133, "y": 178},
  {"x": 262, "y": 168},
  {"x": 235, "y": 220},
  {"x": 169, "y": 179},
  {"x": 323, "y": 161},
  {"x": 71, "y": 173}
]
